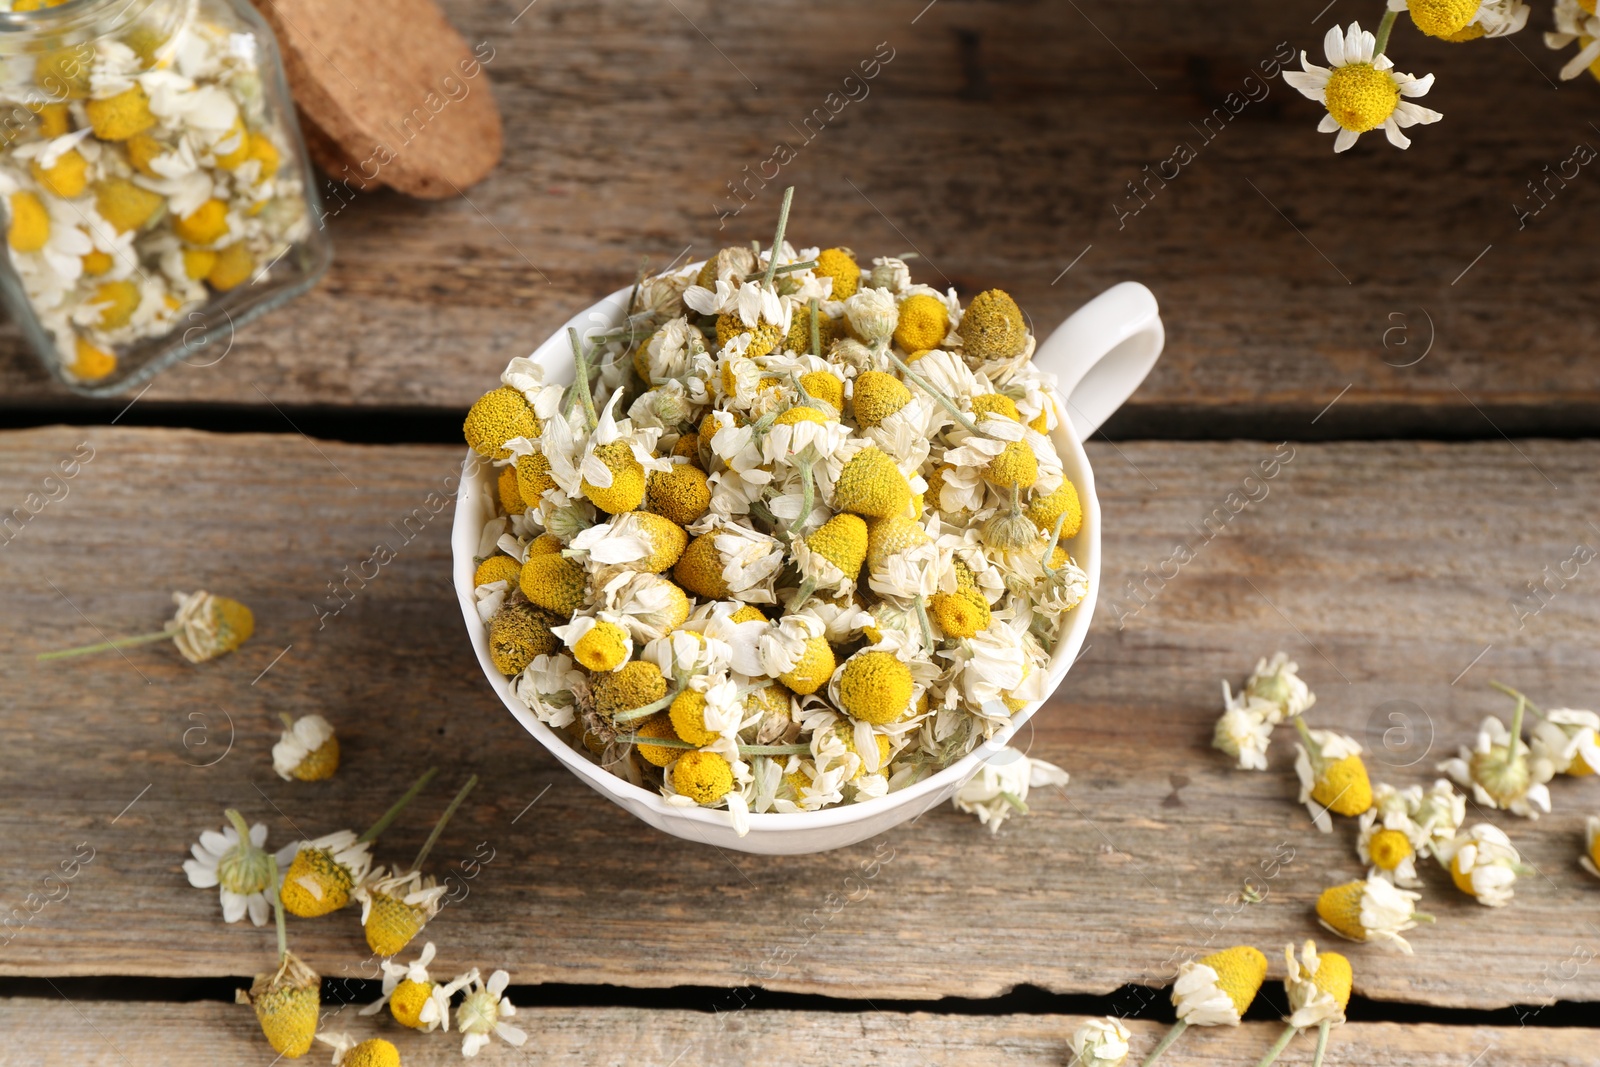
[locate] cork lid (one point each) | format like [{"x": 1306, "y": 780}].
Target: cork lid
[{"x": 389, "y": 94}]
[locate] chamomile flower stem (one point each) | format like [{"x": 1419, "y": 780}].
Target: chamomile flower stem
[
  {"x": 283, "y": 926},
  {"x": 922, "y": 383},
  {"x": 580, "y": 361},
  {"x": 106, "y": 646},
  {"x": 808, "y": 490},
  {"x": 1384, "y": 29},
  {"x": 1277, "y": 1048},
  {"x": 777, "y": 238},
  {"x": 1055, "y": 539},
  {"x": 1305, "y": 733},
  {"x": 801, "y": 595},
  {"x": 438, "y": 827},
  {"x": 239, "y": 825},
  {"x": 400, "y": 805},
  {"x": 816, "y": 329},
  {"x": 1322, "y": 1042},
  {"x": 1515, "y": 695},
  {"x": 1516, "y": 726},
  {"x": 785, "y": 269},
  {"x": 1166, "y": 1042},
  {"x": 635, "y": 714},
  {"x": 927, "y": 627}
]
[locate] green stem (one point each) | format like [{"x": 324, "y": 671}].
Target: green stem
[
  {"x": 808, "y": 491},
  {"x": 106, "y": 646},
  {"x": 635, "y": 714},
  {"x": 1322, "y": 1042},
  {"x": 816, "y": 329},
  {"x": 803, "y": 594},
  {"x": 400, "y": 805},
  {"x": 777, "y": 238},
  {"x": 1383, "y": 32},
  {"x": 1305, "y": 734},
  {"x": 1515, "y": 695},
  {"x": 922, "y": 383},
  {"x": 785, "y": 269},
  {"x": 1277, "y": 1049},
  {"x": 242, "y": 827},
  {"x": 286, "y": 719},
  {"x": 1055, "y": 539},
  {"x": 438, "y": 827},
  {"x": 580, "y": 362},
  {"x": 283, "y": 927},
  {"x": 1166, "y": 1042},
  {"x": 744, "y": 750},
  {"x": 927, "y": 627},
  {"x": 1516, "y": 727}
]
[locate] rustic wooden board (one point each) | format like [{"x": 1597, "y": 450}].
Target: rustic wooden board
[
  {"x": 1384, "y": 568},
  {"x": 96, "y": 1033},
  {"x": 1000, "y": 141}
]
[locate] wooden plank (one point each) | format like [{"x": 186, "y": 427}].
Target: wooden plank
[
  {"x": 1000, "y": 141},
  {"x": 1384, "y": 568},
  {"x": 122, "y": 1034}
]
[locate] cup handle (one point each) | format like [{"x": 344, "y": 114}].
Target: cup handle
[{"x": 1102, "y": 352}]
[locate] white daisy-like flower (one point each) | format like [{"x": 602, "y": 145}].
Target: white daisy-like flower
[
  {"x": 1313, "y": 985},
  {"x": 1389, "y": 848},
  {"x": 1100, "y": 1042},
  {"x": 1466, "y": 20},
  {"x": 1569, "y": 740},
  {"x": 545, "y": 689},
  {"x": 1371, "y": 910},
  {"x": 1484, "y": 864},
  {"x": 1438, "y": 813},
  {"x": 1245, "y": 729},
  {"x": 1575, "y": 24},
  {"x": 482, "y": 1013},
  {"x": 235, "y": 861},
  {"x": 1000, "y": 787},
  {"x": 873, "y": 314},
  {"x": 344, "y": 861},
  {"x": 1361, "y": 91},
  {"x": 750, "y": 562},
  {"x": 1201, "y": 995},
  {"x": 649, "y": 604},
  {"x": 1278, "y": 682},
  {"x": 207, "y": 626},
  {"x": 1332, "y": 776},
  {"x": 784, "y": 642},
  {"x": 1591, "y": 845},
  {"x": 889, "y": 273},
  {"x": 412, "y": 996},
  {"x": 1500, "y": 777},
  {"x": 303, "y": 739}
]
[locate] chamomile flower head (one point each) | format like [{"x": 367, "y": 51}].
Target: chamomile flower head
[
  {"x": 1333, "y": 777},
  {"x": 498, "y": 569},
  {"x": 497, "y": 417},
  {"x": 1278, "y": 682},
  {"x": 554, "y": 582},
  {"x": 412, "y": 996},
  {"x": 1046, "y": 509},
  {"x": 1000, "y": 787},
  {"x": 870, "y": 485},
  {"x": 323, "y": 873},
  {"x": 1465, "y": 20},
  {"x": 1388, "y": 844},
  {"x": 483, "y": 1012},
  {"x": 992, "y": 327},
  {"x": 208, "y": 626},
  {"x": 1362, "y": 91},
  {"x": 234, "y": 861},
  {"x": 1576, "y": 23},
  {"x": 1245, "y": 729},
  {"x": 1569, "y": 740},
  {"x": 1317, "y": 985},
  {"x": 832, "y": 554},
  {"x": 287, "y": 1002},
  {"x": 1371, "y": 910},
  {"x": 1101, "y": 1043},
  {"x": 702, "y": 776},
  {"x": 395, "y": 908},
  {"x": 520, "y": 632},
  {"x": 632, "y": 685},
  {"x": 307, "y": 751},
  {"x": 1218, "y": 989},
  {"x": 373, "y": 1052},
  {"x": 875, "y": 687},
  {"x": 873, "y": 315},
  {"x": 924, "y": 321},
  {"x": 1484, "y": 864},
  {"x": 876, "y": 396},
  {"x": 1501, "y": 773},
  {"x": 680, "y": 493}
]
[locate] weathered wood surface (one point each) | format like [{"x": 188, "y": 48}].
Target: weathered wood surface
[
  {"x": 111, "y": 1034},
  {"x": 999, "y": 141},
  {"x": 1384, "y": 568}
]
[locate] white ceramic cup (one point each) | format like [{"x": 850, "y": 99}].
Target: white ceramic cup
[{"x": 1099, "y": 356}]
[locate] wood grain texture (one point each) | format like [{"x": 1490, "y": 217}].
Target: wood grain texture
[
  {"x": 1384, "y": 568},
  {"x": 110, "y": 1034},
  {"x": 1000, "y": 141}
]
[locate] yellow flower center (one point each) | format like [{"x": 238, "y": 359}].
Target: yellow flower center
[
  {"x": 1462, "y": 879},
  {"x": 813, "y": 669},
  {"x": 1240, "y": 972},
  {"x": 315, "y": 884},
  {"x": 1344, "y": 788},
  {"x": 875, "y": 687},
  {"x": 626, "y": 490},
  {"x": 407, "y": 1002},
  {"x": 657, "y": 726},
  {"x": 842, "y": 541},
  {"x": 704, "y": 777},
  {"x": 1016, "y": 466},
  {"x": 1340, "y": 908},
  {"x": 699, "y": 569},
  {"x": 688, "y": 716},
  {"x": 1045, "y": 510},
  {"x": 1360, "y": 97},
  {"x": 1389, "y": 849},
  {"x": 1579, "y": 766},
  {"x": 681, "y": 494},
  {"x": 554, "y": 582},
  {"x": 1441, "y": 18},
  {"x": 392, "y": 924},
  {"x": 602, "y": 648},
  {"x": 872, "y": 486},
  {"x": 496, "y": 417},
  {"x": 1334, "y": 977},
  {"x": 993, "y": 327},
  {"x": 320, "y": 762},
  {"x": 924, "y": 320},
  {"x": 840, "y": 265},
  {"x": 877, "y": 396},
  {"x": 374, "y": 1052},
  {"x": 288, "y": 1016}
]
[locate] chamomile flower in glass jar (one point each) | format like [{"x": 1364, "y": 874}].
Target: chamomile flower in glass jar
[{"x": 156, "y": 188}]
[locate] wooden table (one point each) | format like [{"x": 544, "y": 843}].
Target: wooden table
[{"x": 1424, "y": 494}]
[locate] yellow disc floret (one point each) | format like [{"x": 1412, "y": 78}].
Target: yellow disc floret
[
  {"x": 55, "y": 120},
  {"x": 995, "y": 404},
  {"x": 1045, "y": 510},
  {"x": 1240, "y": 972},
  {"x": 1016, "y": 466},
  {"x": 688, "y": 716},
  {"x": 117, "y": 118},
  {"x": 993, "y": 328},
  {"x": 893, "y": 535},
  {"x": 699, "y": 569},
  {"x": 233, "y": 267},
  {"x": 510, "y": 496},
  {"x": 799, "y": 337},
  {"x": 554, "y": 582},
  {"x": 91, "y": 363},
  {"x": 703, "y": 777},
  {"x": 1343, "y": 787},
  {"x": 320, "y": 763},
  {"x": 764, "y": 336},
  {"x": 605, "y": 647},
  {"x": 1340, "y": 907},
  {"x": 1389, "y": 849},
  {"x": 840, "y": 265},
  {"x": 1442, "y": 18},
  {"x": 67, "y": 177},
  {"x": 199, "y": 262},
  {"x": 1360, "y": 97},
  {"x": 497, "y": 569},
  {"x": 657, "y": 726},
  {"x": 495, "y": 418},
  {"x": 813, "y": 669},
  {"x": 747, "y": 613},
  {"x": 1334, "y": 977},
  {"x": 544, "y": 545},
  {"x": 924, "y": 320},
  {"x": 533, "y": 476},
  {"x": 826, "y": 387},
  {"x": 626, "y": 490},
  {"x": 875, "y": 687},
  {"x": 959, "y": 614},
  {"x": 96, "y": 263},
  {"x": 142, "y": 151},
  {"x": 842, "y": 541},
  {"x": 682, "y": 494},
  {"x": 877, "y": 396},
  {"x": 871, "y": 485},
  {"x": 392, "y": 923},
  {"x": 125, "y": 205},
  {"x": 518, "y": 633},
  {"x": 287, "y": 1005},
  {"x": 665, "y": 539},
  {"x": 636, "y": 684},
  {"x": 315, "y": 884},
  {"x": 375, "y": 1051},
  {"x": 30, "y": 223},
  {"x": 117, "y": 302},
  {"x": 205, "y": 225}
]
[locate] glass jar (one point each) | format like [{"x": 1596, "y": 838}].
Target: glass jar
[{"x": 156, "y": 187}]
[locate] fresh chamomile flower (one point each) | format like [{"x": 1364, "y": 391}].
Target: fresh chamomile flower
[
  {"x": 1279, "y": 683},
  {"x": 1500, "y": 771},
  {"x": 1361, "y": 91},
  {"x": 1465, "y": 20},
  {"x": 1371, "y": 910},
  {"x": 483, "y": 1011},
  {"x": 412, "y": 996},
  {"x": 1484, "y": 864},
  {"x": 307, "y": 751},
  {"x": 1332, "y": 776},
  {"x": 1389, "y": 847},
  {"x": 1000, "y": 787},
  {"x": 348, "y": 1052},
  {"x": 1318, "y": 989},
  {"x": 1591, "y": 845},
  {"x": 204, "y": 628},
  {"x": 235, "y": 861},
  {"x": 1245, "y": 729},
  {"x": 1101, "y": 1042}
]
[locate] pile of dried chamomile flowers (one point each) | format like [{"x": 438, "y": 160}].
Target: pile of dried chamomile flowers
[{"x": 796, "y": 536}]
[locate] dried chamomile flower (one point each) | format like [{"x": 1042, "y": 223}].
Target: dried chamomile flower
[
  {"x": 1576, "y": 24},
  {"x": 1484, "y": 864},
  {"x": 1318, "y": 988},
  {"x": 483, "y": 1011},
  {"x": 1245, "y": 729},
  {"x": 1332, "y": 776},
  {"x": 519, "y": 632},
  {"x": 204, "y": 628},
  {"x": 412, "y": 996},
  {"x": 396, "y": 906},
  {"x": 1390, "y": 847},
  {"x": 1101, "y": 1043},
  {"x": 307, "y": 751},
  {"x": 1465, "y": 20},
  {"x": 1371, "y": 910},
  {"x": 287, "y": 1000},
  {"x": 235, "y": 861},
  {"x": 1214, "y": 991},
  {"x": 1591, "y": 845},
  {"x": 1500, "y": 770},
  {"x": 1279, "y": 683},
  {"x": 373, "y": 1052},
  {"x": 1361, "y": 90},
  {"x": 1000, "y": 787},
  {"x": 1568, "y": 739},
  {"x": 992, "y": 328},
  {"x": 496, "y": 417}
]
